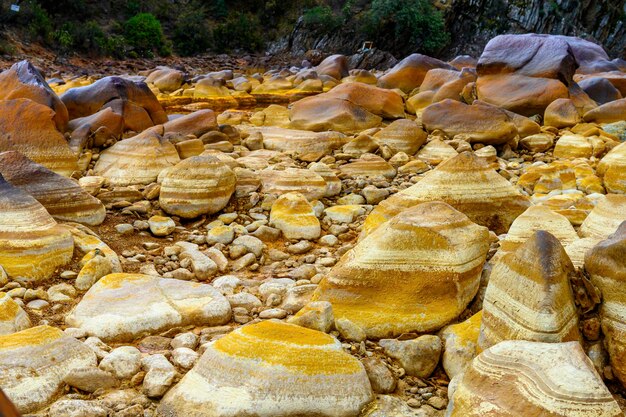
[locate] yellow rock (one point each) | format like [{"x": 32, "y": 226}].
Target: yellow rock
[
  {"x": 521, "y": 378},
  {"x": 606, "y": 265},
  {"x": 571, "y": 146},
  {"x": 294, "y": 216},
  {"x": 529, "y": 295},
  {"x": 369, "y": 165},
  {"x": 605, "y": 217},
  {"x": 436, "y": 151},
  {"x": 613, "y": 168},
  {"x": 196, "y": 186},
  {"x": 415, "y": 273},
  {"x": 461, "y": 344},
  {"x": 466, "y": 183},
  {"x": 277, "y": 361},
  {"x": 32, "y": 245},
  {"x": 402, "y": 135},
  {"x": 12, "y": 317},
  {"x": 301, "y": 142}
]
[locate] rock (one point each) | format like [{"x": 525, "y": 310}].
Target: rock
[
  {"x": 34, "y": 362},
  {"x": 275, "y": 359},
  {"x": 333, "y": 183},
  {"x": 272, "y": 115},
  {"x": 303, "y": 181},
  {"x": 539, "y": 142},
  {"x": 612, "y": 167},
  {"x": 309, "y": 146},
  {"x": 419, "y": 357},
  {"x": 479, "y": 122},
  {"x": 23, "y": 80},
  {"x": 137, "y": 160},
  {"x": 94, "y": 269},
  {"x": 197, "y": 124},
  {"x": 196, "y": 186},
  {"x": 317, "y": 315},
  {"x": 122, "y": 362},
  {"x": 125, "y": 306},
  {"x": 379, "y": 101},
  {"x": 297, "y": 297},
  {"x": 95, "y": 130},
  {"x": 220, "y": 234},
  {"x": 409, "y": 73},
  {"x": 166, "y": 79},
  {"x": 460, "y": 344},
  {"x": 350, "y": 331},
  {"x": 492, "y": 202},
  {"x": 133, "y": 100},
  {"x": 202, "y": 266},
  {"x": 294, "y": 216},
  {"x": 320, "y": 113},
  {"x": 87, "y": 241},
  {"x": 12, "y": 317},
  {"x": 32, "y": 245},
  {"x": 335, "y": 66},
  {"x": 570, "y": 146},
  {"x": 389, "y": 284},
  {"x": 614, "y": 111},
  {"x": 440, "y": 84},
  {"x": 600, "y": 89},
  {"x": 184, "y": 357},
  {"x": 529, "y": 295},
  {"x": 381, "y": 378},
  {"x": 369, "y": 165},
  {"x": 244, "y": 300},
  {"x": 604, "y": 219},
  {"x": 90, "y": 379},
  {"x": 346, "y": 213},
  {"x": 605, "y": 264},
  {"x": 77, "y": 408},
  {"x": 390, "y": 406},
  {"x": 161, "y": 226},
  {"x": 436, "y": 151},
  {"x": 561, "y": 113},
  {"x": 28, "y": 127},
  {"x": 401, "y": 136},
  {"x": 160, "y": 375},
  {"x": 251, "y": 243},
  {"x": 564, "y": 383}
]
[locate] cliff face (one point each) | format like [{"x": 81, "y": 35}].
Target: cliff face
[{"x": 471, "y": 23}]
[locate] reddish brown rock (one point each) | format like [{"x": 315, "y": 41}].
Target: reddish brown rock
[{"x": 410, "y": 72}]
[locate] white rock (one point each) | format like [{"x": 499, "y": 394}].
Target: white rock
[
  {"x": 123, "y": 362},
  {"x": 184, "y": 357},
  {"x": 160, "y": 375}
]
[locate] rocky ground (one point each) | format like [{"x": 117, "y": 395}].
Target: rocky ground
[{"x": 441, "y": 238}]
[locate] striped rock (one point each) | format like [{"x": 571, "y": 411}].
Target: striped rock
[
  {"x": 305, "y": 143},
  {"x": 196, "y": 186},
  {"x": 521, "y": 378},
  {"x": 368, "y": 165},
  {"x": 12, "y": 317},
  {"x": 402, "y": 135},
  {"x": 62, "y": 197},
  {"x": 466, "y": 183},
  {"x": 303, "y": 181},
  {"x": 606, "y": 216},
  {"x": 87, "y": 242},
  {"x": 533, "y": 219},
  {"x": 436, "y": 151},
  {"x": 29, "y": 128},
  {"x": 123, "y": 307},
  {"x": 417, "y": 272},
  {"x": 294, "y": 216},
  {"x": 137, "y": 160},
  {"x": 529, "y": 295},
  {"x": 34, "y": 362},
  {"x": 571, "y": 146},
  {"x": 289, "y": 371},
  {"x": 613, "y": 168},
  {"x": 577, "y": 250},
  {"x": 606, "y": 265},
  {"x": 32, "y": 245},
  {"x": 574, "y": 205},
  {"x": 333, "y": 183}
]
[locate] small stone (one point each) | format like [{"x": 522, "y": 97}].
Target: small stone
[
  {"x": 227, "y": 218},
  {"x": 437, "y": 402},
  {"x": 350, "y": 331},
  {"x": 243, "y": 262},
  {"x": 226, "y": 284},
  {"x": 299, "y": 248},
  {"x": 297, "y": 297},
  {"x": 351, "y": 199},
  {"x": 317, "y": 315},
  {"x": 374, "y": 195},
  {"x": 328, "y": 240},
  {"x": 273, "y": 313},
  {"x": 124, "y": 228},
  {"x": 38, "y": 304},
  {"x": 251, "y": 243},
  {"x": 419, "y": 357},
  {"x": 160, "y": 375},
  {"x": 161, "y": 226},
  {"x": 380, "y": 376},
  {"x": 123, "y": 362},
  {"x": 220, "y": 234},
  {"x": 245, "y": 300},
  {"x": 187, "y": 340},
  {"x": 90, "y": 379},
  {"x": 92, "y": 271},
  {"x": 184, "y": 357}
]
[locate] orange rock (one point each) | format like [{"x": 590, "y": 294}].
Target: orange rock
[
  {"x": 320, "y": 113},
  {"x": 335, "y": 66},
  {"x": 410, "y": 72},
  {"x": 614, "y": 111},
  {"x": 402, "y": 135},
  {"x": 561, "y": 113},
  {"x": 379, "y": 101}
]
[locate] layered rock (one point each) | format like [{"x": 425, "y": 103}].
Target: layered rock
[
  {"x": 304, "y": 181},
  {"x": 95, "y": 130},
  {"x": 62, "y": 197},
  {"x": 468, "y": 184},
  {"x": 309, "y": 146},
  {"x": 12, "y": 317},
  {"x": 529, "y": 295},
  {"x": 137, "y": 160},
  {"x": 379, "y": 101},
  {"x": 613, "y": 169},
  {"x": 123, "y": 307},
  {"x": 369, "y": 165},
  {"x": 32, "y": 245},
  {"x": 516, "y": 378},
  {"x": 34, "y": 362},
  {"x": 606, "y": 216},
  {"x": 277, "y": 361},
  {"x": 196, "y": 186},
  {"x": 606, "y": 265},
  {"x": 166, "y": 79},
  {"x": 613, "y": 111},
  {"x": 292, "y": 214},
  {"x": 409, "y": 73},
  {"x": 23, "y": 80},
  {"x": 415, "y": 273},
  {"x": 29, "y": 127},
  {"x": 401, "y": 136}
]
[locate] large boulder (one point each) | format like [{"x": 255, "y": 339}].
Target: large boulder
[
  {"x": 32, "y": 244},
  {"x": 521, "y": 378},
  {"x": 379, "y": 101},
  {"x": 335, "y": 66},
  {"x": 28, "y": 127},
  {"x": 401, "y": 135},
  {"x": 62, "y": 197},
  {"x": 614, "y": 111},
  {"x": 409, "y": 73},
  {"x": 324, "y": 112},
  {"x": 23, "y": 80},
  {"x": 613, "y": 169},
  {"x": 166, "y": 79},
  {"x": 289, "y": 371},
  {"x": 123, "y": 307},
  {"x": 606, "y": 216},
  {"x": 440, "y": 84},
  {"x": 415, "y": 273},
  {"x": 96, "y": 129}
]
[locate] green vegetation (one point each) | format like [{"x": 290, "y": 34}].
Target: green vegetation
[
  {"x": 321, "y": 19},
  {"x": 242, "y": 31},
  {"x": 144, "y": 35}
]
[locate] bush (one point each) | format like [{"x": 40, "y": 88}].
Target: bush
[
  {"x": 240, "y": 31},
  {"x": 412, "y": 25},
  {"x": 144, "y": 34},
  {"x": 39, "y": 24},
  {"x": 192, "y": 33},
  {"x": 321, "y": 19}
]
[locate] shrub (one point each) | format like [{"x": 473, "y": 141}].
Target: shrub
[
  {"x": 192, "y": 33},
  {"x": 144, "y": 34},
  {"x": 412, "y": 25},
  {"x": 321, "y": 19},
  {"x": 240, "y": 31},
  {"x": 39, "y": 24}
]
